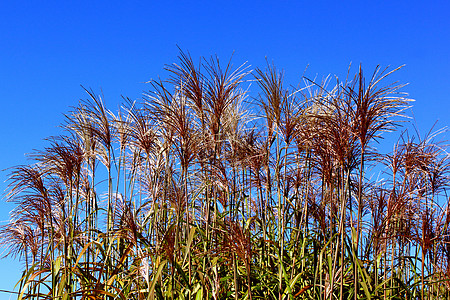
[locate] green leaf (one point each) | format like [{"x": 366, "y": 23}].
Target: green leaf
[{"x": 199, "y": 295}]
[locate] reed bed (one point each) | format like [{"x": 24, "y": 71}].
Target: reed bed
[{"x": 202, "y": 191}]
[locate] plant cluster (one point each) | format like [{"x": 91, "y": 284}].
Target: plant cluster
[{"x": 195, "y": 192}]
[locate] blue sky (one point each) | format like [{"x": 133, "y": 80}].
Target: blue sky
[{"x": 49, "y": 49}]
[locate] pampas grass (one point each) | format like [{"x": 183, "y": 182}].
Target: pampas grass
[{"x": 188, "y": 194}]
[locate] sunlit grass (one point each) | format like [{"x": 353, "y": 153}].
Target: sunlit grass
[{"x": 195, "y": 193}]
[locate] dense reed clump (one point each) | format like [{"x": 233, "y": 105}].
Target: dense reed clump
[{"x": 196, "y": 192}]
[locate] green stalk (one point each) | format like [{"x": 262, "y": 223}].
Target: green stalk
[{"x": 280, "y": 222}]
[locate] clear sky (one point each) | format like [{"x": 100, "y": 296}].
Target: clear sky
[{"x": 49, "y": 48}]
